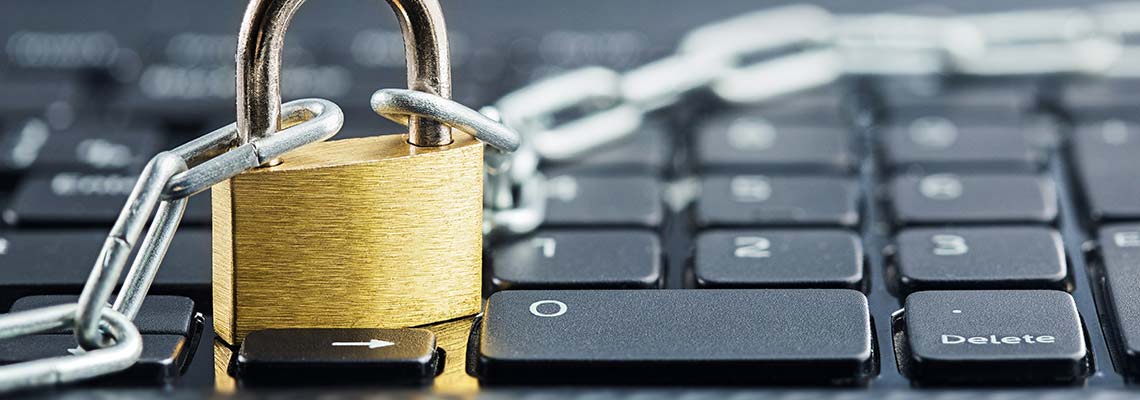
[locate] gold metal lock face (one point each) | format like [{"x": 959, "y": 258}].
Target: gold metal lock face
[
  {"x": 365, "y": 232},
  {"x": 378, "y": 232}
]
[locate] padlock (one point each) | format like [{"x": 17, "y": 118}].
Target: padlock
[{"x": 382, "y": 231}]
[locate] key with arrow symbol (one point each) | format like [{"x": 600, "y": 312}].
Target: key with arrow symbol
[
  {"x": 372, "y": 344},
  {"x": 288, "y": 357}
]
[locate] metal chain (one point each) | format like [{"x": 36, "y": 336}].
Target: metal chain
[
  {"x": 110, "y": 340},
  {"x": 747, "y": 59},
  {"x": 761, "y": 56}
]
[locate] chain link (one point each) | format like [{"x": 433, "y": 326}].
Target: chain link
[
  {"x": 751, "y": 58},
  {"x": 764, "y": 55},
  {"x": 106, "y": 333}
]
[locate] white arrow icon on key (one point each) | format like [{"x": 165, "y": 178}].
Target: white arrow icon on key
[{"x": 372, "y": 344}]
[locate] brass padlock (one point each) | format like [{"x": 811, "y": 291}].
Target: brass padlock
[{"x": 383, "y": 231}]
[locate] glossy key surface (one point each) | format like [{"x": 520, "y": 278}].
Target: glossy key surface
[
  {"x": 779, "y": 258},
  {"x": 991, "y": 337},
  {"x": 355, "y": 357},
  {"x": 732, "y": 336},
  {"x": 997, "y": 257},
  {"x": 761, "y": 200},
  {"x": 579, "y": 259}
]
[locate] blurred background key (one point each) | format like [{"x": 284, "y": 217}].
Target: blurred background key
[{"x": 77, "y": 199}]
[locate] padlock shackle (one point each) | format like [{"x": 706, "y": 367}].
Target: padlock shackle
[{"x": 262, "y": 38}]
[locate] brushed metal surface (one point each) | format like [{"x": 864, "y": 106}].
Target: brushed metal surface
[{"x": 361, "y": 233}]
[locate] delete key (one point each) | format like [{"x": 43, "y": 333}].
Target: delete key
[{"x": 991, "y": 337}]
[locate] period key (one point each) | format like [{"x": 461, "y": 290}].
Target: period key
[
  {"x": 694, "y": 337},
  {"x": 991, "y": 337}
]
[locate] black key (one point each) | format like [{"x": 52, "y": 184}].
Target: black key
[
  {"x": 188, "y": 93},
  {"x": 905, "y": 97},
  {"x": 22, "y": 95},
  {"x": 783, "y": 258},
  {"x": 162, "y": 360},
  {"x": 611, "y": 201},
  {"x": 1097, "y": 97},
  {"x": 991, "y": 337},
  {"x": 1112, "y": 196},
  {"x": 1120, "y": 264},
  {"x": 1106, "y": 145},
  {"x": 938, "y": 143},
  {"x": 60, "y": 261},
  {"x": 1106, "y": 163},
  {"x": 646, "y": 152},
  {"x": 1022, "y": 257},
  {"x": 159, "y": 315},
  {"x": 740, "y": 142},
  {"x": 75, "y": 199},
  {"x": 563, "y": 259},
  {"x": 625, "y": 337},
  {"x": 751, "y": 200},
  {"x": 32, "y": 146},
  {"x": 992, "y": 198},
  {"x": 286, "y": 357}
]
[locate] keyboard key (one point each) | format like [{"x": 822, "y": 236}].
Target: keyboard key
[
  {"x": 783, "y": 258},
  {"x": 1119, "y": 260},
  {"x": 937, "y": 143},
  {"x": 564, "y": 259},
  {"x": 610, "y": 201},
  {"x": 751, "y": 200},
  {"x": 159, "y": 315},
  {"x": 1106, "y": 145},
  {"x": 649, "y": 151},
  {"x": 1097, "y": 97},
  {"x": 991, "y": 337},
  {"x": 36, "y": 95},
  {"x": 60, "y": 261},
  {"x": 1106, "y": 164},
  {"x": 1020, "y": 257},
  {"x": 731, "y": 336},
  {"x": 289, "y": 357},
  {"x": 162, "y": 360},
  {"x": 750, "y": 143},
  {"x": 906, "y": 97},
  {"x": 33, "y": 147},
  {"x": 992, "y": 198},
  {"x": 1112, "y": 196},
  {"x": 75, "y": 199}
]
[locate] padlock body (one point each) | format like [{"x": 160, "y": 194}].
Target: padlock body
[{"x": 367, "y": 232}]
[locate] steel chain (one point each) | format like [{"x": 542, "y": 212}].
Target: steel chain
[
  {"x": 109, "y": 341},
  {"x": 751, "y": 58},
  {"x": 761, "y": 56}
]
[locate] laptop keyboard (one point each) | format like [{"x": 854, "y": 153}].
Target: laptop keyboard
[{"x": 872, "y": 234}]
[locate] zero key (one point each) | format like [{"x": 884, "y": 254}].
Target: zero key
[
  {"x": 673, "y": 337},
  {"x": 341, "y": 356}
]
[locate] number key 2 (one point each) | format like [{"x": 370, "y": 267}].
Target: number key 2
[{"x": 808, "y": 258}]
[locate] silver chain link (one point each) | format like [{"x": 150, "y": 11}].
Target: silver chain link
[
  {"x": 110, "y": 342},
  {"x": 751, "y": 58},
  {"x": 764, "y": 55}
]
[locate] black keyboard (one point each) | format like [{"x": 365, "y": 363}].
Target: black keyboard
[{"x": 860, "y": 240}]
